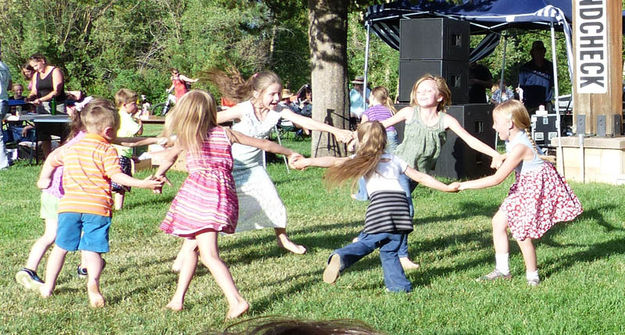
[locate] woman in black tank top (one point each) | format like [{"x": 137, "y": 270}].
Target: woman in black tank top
[
  {"x": 48, "y": 86},
  {"x": 48, "y": 95}
]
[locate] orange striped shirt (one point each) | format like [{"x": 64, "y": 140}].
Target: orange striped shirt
[{"x": 88, "y": 167}]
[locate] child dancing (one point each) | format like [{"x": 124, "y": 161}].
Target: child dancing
[
  {"x": 90, "y": 165},
  {"x": 538, "y": 199},
  {"x": 206, "y": 203},
  {"x": 387, "y": 221},
  {"x": 50, "y": 197},
  {"x": 425, "y": 135}
]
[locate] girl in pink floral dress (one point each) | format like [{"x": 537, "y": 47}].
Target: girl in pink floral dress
[
  {"x": 206, "y": 203},
  {"x": 538, "y": 199}
]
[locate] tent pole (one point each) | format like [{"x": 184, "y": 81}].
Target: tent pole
[
  {"x": 364, "y": 90},
  {"x": 503, "y": 62},
  {"x": 556, "y": 93}
]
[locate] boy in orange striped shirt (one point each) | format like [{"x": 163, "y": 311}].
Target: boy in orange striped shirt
[{"x": 85, "y": 211}]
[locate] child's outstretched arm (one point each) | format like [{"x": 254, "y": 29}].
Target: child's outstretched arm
[
  {"x": 168, "y": 158},
  {"x": 139, "y": 141},
  {"x": 266, "y": 145},
  {"x": 512, "y": 160},
  {"x": 126, "y": 180},
  {"x": 324, "y": 162},
  {"x": 429, "y": 181},
  {"x": 342, "y": 135}
]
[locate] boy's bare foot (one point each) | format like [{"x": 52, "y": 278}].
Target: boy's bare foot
[
  {"x": 407, "y": 264},
  {"x": 175, "y": 306},
  {"x": 290, "y": 246},
  {"x": 237, "y": 310},
  {"x": 96, "y": 300},
  {"x": 44, "y": 291}
]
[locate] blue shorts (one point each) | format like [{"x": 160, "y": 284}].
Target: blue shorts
[{"x": 94, "y": 230}]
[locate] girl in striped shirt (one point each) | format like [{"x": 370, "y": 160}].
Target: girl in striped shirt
[{"x": 387, "y": 221}]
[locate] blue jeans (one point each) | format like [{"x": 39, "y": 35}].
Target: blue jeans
[
  {"x": 4, "y": 160},
  {"x": 394, "y": 276}
]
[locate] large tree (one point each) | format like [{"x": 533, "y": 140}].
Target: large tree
[{"x": 327, "y": 34}]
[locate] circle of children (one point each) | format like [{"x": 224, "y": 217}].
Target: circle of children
[{"x": 227, "y": 185}]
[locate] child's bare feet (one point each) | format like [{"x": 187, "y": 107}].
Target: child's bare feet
[
  {"x": 237, "y": 310},
  {"x": 96, "y": 300},
  {"x": 44, "y": 291},
  {"x": 407, "y": 264},
  {"x": 175, "y": 306},
  {"x": 290, "y": 246},
  {"x": 177, "y": 265}
]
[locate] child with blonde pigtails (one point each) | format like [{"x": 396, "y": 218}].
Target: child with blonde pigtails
[{"x": 538, "y": 199}]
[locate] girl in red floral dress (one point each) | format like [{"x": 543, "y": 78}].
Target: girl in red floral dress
[{"x": 538, "y": 199}]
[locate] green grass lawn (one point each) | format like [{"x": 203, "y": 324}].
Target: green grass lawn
[{"x": 581, "y": 264}]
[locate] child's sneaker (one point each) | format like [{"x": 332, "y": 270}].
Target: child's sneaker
[
  {"x": 533, "y": 282},
  {"x": 333, "y": 269},
  {"x": 28, "y": 278},
  {"x": 496, "y": 274},
  {"x": 82, "y": 271}
]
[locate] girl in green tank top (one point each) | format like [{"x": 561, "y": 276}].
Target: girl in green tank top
[{"x": 425, "y": 135}]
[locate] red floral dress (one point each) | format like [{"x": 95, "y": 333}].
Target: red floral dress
[{"x": 538, "y": 199}]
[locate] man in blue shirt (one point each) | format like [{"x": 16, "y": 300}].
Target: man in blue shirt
[{"x": 536, "y": 79}]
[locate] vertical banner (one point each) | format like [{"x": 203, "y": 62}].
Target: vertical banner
[{"x": 591, "y": 37}]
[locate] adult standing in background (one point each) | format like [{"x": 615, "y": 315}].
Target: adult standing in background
[
  {"x": 179, "y": 83},
  {"x": 48, "y": 96},
  {"x": 357, "y": 101},
  {"x": 5, "y": 83},
  {"x": 536, "y": 79},
  {"x": 480, "y": 79}
]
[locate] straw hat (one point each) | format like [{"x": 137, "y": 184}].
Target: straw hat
[
  {"x": 286, "y": 93},
  {"x": 359, "y": 80}
]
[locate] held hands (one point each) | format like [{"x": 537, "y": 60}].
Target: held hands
[
  {"x": 454, "y": 187},
  {"x": 497, "y": 161},
  {"x": 293, "y": 159},
  {"x": 301, "y": 164},
  {"x": 344, "y": 135},
  {"x": 155, "y": 183}
]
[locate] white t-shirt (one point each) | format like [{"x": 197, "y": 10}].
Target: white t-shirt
[{"x": 386, "y": 175}]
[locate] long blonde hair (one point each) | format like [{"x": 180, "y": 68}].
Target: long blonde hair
[
  {"x": 442, "y": 87},
  {"x": 372, "y": 141},
  {"x": 382, "y": 96},
  {"x": 191, "y": 118},
  {"x": 234, "y": 87}
]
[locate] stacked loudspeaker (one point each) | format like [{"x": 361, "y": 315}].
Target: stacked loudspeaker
[
  {"x": 441, "y": 47},
  {"x": 436, "y": 46}
]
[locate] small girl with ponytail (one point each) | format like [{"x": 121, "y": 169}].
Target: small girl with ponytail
[
  {"x": 538, "y": 199},
  {"x": 381, "y": 108}
]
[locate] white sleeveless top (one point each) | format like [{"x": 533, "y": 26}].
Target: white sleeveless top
[{"x": 246, "y": 156}]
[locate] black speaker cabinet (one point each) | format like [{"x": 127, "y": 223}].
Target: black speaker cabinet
[
  {"x": 458, "y": 160},
  {"x": 456, "y": 74},
  {"x": 434, "y": 38}
]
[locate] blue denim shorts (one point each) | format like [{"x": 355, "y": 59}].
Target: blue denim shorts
[{"x": 78, "y": 231}]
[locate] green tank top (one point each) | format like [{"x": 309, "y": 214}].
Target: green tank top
[{"x": 422, "y": 144}]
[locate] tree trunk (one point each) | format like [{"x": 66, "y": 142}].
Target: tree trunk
[{"x": 327, "y": 34}]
